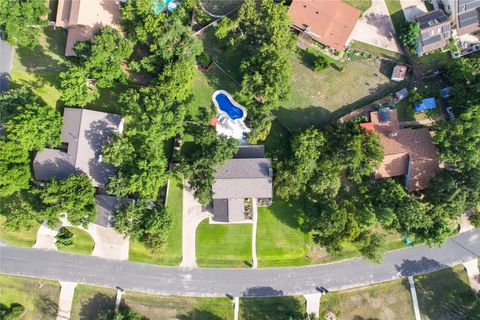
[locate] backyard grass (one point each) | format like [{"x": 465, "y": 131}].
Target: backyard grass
[
  {"x": 91, "y": 302},
  {"x": 362, "y": 5},
  {"x": 38, "y": 68},
  {"x": 390, "y": 300},
  {"x": 442, "y": 294},
  {"x": 434, "y": 61},
  {"x": 280, "y": 240},
  {"x": 377, "y": 51},
  {"x": 82, "y": 242},
  {"x": 224, "y": 245},
  {"x": 280, "y": 308},
  {"x": 172, "y": 254},
  {"x": 321, "y": 97},
  {"x": 396, "y": 13},
  {"x": 38, "y": 296},
  {"x": 21, "y": 238}
]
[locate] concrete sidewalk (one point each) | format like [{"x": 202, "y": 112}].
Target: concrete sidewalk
[{"x": 66, "y": 300}]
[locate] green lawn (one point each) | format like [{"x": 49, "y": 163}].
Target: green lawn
[
  {"x": 38, "y": 296},
  {"x": 280, "y": 241},
  {"x": 38, "y": 68},
  {"x": 390, "y": 300},
  {"x": 362, "y": 5},
  {"x": 396, "y": 13},
  {"x": 224, "y": 245},
  {"x": 377, "y": 51},
  {"x": 320, "y": 97},
  {"x": 82, "y": 242},
  {"x": 442, "y": 295},
  {"x": 22, "y": 238},
  {"x": 172, "y": 254},
  {"x": 434, "y": 61},
  {"x": 91, "y": 302},
  {"x": 281, "y": 308}
]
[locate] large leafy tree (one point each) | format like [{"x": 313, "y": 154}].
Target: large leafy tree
[
  {"x": 21, "y": 21},
  {"x": 459, "y": 140},
  {"x": 35, "y": 126},
  {"x": 12, "y": 99},
  {"x": 75, "y": 87},
  {"x": 409, "y": 34},
  {"x": 14, "y": 168},
  {"x": 262, "y": 29},
  {"x": 21, "y": 210},
  {"x": 73, "y": 196},
  {"x": 146, "y": 222},
  {"x": 293, "y": 177}
]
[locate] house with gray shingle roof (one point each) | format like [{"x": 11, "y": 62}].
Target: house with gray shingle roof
[
  {"x": 84, "y": 133},
  {"x": 245, "y": 178}
]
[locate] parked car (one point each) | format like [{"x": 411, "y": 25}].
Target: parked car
[{"x": 450, "y": 114}]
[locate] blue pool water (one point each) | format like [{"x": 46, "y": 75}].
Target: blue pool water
[
  {"x": 225, "y": 104},
  {"x": 170, "y": 4}
]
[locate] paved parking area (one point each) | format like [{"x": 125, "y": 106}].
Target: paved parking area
[{"x": 375, "y": 27}]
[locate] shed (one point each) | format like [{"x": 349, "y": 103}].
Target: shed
[
  {"x": 401, "y": 94},
  {"x": 399, "y": 72},
  {"x": 426, "y": 104}
]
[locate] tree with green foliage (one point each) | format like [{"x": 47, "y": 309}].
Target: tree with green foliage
[
  {"x": 459, "y": 140},
  {"x": 12, "y": 99},
  {"x": 14, "y": 168},
  {"x": 371, "y": 245},
  {"x": 21, "y": 21},
  {"x": 263, "y": 31},
  {"x": 73, "y": 196},
  {"x": 292, "y": 178},
  {"x": 146, "y": 222},
  {"x": 410, "y": 34},
  {"x": 210, "y": 150},
  {"x": 76, "y": 91},
  {"x": 64, "y": 237},
  {"x": 15, "y": 311},
  {"x": 35, "y": 126},
  {"x": 103, "y": 56},
  {"x": 22, "y": 209}
]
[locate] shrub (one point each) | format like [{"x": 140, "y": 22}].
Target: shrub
[
  {"x": 64, "y": 237},
  {"x": 320, "y": 64},
  {"x": 475, "y": 220},
  {"x": 204, "y": 59}
]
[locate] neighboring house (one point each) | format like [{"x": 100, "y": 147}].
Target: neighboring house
[
  {"x": 106, "y": 207},
  {"x": 399, "y": 73},
  {"x": 407, "y": 152},
  {"x": 465, "y": 15},
  {"x": 84, "y": 133},
  {"x": 241, "y": 181},
  {"x": 328, "y": 22},
  {"x": 435, "y": 31},
  {"x": 82, "y": 18}
]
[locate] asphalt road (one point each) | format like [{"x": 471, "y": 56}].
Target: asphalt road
[
  {"x": 236, "y": 282},
  {"x": 6, "y": 57}
]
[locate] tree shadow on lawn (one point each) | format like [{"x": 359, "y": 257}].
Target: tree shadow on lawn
[
  {"x": 99, "y": 306},
  {"x": 444, "y": 295},
  {"x": 276, "y": 307},
  {"x": 47, "y": 307}
]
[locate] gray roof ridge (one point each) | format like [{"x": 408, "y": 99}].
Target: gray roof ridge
[{"x": 78, "y": 137}]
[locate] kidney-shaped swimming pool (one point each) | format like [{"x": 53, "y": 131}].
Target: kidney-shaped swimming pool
[{"x": 225, "y": 102}]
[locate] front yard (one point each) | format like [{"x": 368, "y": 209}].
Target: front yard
[
  {"x": 91, "y": 302},
  {"x": 82, "y": 242},
  {"x": 22, "y": 237},
  {"x": 443, "y": 294},
  {"x": 172, "y": 253},
  {"x": 39, "y": 297},
  {"x": 278, "y": 308},
  {"x": 224, "y": 245},
  {"x": 390, "y": 300}
]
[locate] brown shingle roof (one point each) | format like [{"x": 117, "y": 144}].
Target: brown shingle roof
[
  {"x": 328, "y": 21},
  {"x": 408, "y": 152}
]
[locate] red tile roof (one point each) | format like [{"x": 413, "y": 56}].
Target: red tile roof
[
  {"x": 328, "y": 21},
  {"x": 406, "y": 150}
]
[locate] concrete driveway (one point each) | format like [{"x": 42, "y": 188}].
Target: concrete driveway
[
  {"x": 375, "y": 27},
  {"x": 193, "y": 214},
  {"x": 6, "y": 58},
  {"x": 413, "y": 8}
]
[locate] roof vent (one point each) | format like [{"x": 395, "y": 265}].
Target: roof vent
[
  {"x": 270, "y": 171},
  {"x": 393, "y": 134}
]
